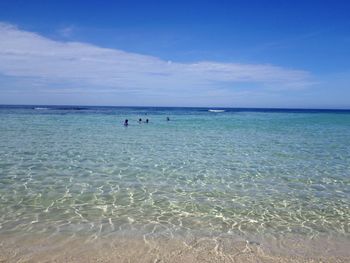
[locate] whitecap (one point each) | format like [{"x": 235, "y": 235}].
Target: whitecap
[
  {"x": 216, "y": 110},
  {"x": 40, "y": 108}
]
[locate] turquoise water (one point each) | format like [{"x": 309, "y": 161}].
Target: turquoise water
[{"x": 79, "y": 170}]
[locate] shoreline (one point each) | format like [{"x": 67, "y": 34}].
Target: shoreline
[{"x": 123, "y": 248}]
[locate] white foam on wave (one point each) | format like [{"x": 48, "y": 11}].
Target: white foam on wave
[
  {"x": 40, "y": 108},
  {"x": 216, "y": 110}
]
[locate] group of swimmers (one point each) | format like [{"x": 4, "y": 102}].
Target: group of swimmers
[{"x": 126, "y": 122}]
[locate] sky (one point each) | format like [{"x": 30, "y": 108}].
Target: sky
[{"x": 275, "y": 54}]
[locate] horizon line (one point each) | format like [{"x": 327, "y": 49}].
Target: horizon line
[{"x": 195, "y": 107}]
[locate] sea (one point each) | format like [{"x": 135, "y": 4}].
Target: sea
[{"x": 268, "y": 179}]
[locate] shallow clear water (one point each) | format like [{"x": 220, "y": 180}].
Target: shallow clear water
[{"x": 79, "y": 170}]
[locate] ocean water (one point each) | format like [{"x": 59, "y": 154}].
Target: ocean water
[{"x": 241, "y": 172}]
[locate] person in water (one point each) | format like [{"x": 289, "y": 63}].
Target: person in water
[
  {"x": 140, "y": 120},
  {"x": 126, "y": 122},
  {"x": 167, "y": 118},
  {"x": 146, "y": 120}
]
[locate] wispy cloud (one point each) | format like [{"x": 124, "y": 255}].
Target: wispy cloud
[
  {"x": 66, "y": 31},
  {"x": 79, "y": 66}
]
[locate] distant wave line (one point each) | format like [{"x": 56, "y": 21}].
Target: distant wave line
[
  {"x": 216, "y": 110},
  {"x": 40, "y": 108}
]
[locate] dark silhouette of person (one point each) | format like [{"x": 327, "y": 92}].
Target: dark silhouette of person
[
  {"x": 167, "y": 118},
  {"x": 140, "y": 120},
  {"x": 146, "y": 120},
  {"x": 126, "y": 122}
]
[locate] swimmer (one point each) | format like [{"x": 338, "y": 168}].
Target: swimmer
[
  {"x": 167, "y": 118},
  {"x": 126, "y": 122},
  {"x": 146, "y": 120},
  {"x": 140, "y": 120}
]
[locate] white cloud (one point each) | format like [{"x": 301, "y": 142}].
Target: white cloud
[{"x": 26, "y": 54}]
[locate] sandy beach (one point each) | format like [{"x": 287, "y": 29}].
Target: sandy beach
[{"x": 38, "y": 248}]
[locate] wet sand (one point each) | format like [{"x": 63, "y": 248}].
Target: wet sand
[{"x": 61, "y": 248}]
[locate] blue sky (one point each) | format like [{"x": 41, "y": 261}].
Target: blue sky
[{"x": 176, "y": 53}]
